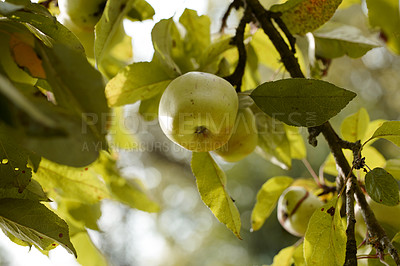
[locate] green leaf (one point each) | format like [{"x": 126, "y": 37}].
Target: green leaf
[
  {"x": 301, "y": 102},
  {"x": 325, "y": 239},
  {"x": 266, "y": 53},
  {"x": 8, "y": 8},
  {"x": 109, "y": 23},
  {"x": 382, "y": 187},
  {"x": 88, "y": 253},
  {"x": 273, "y": 144},
  {"x": 267, "y": 197},
  {"x": 393, "y": 167},
  {"x": 302, "y": 16},
  {"x": 81, "y": 184},
  {"x": 141, "y": 10},
  {"x": 149, "y": 108},
  {"x": 126, "y": 191},
  {"x": 79, "y": 214},
  {"x": 389, "y": 130},
  {"x": 211, "y": 57},
  {"x": 14, "y": 95},
  {"x": 385, "y": 15},
  {"x": 139, "y": 81},
  {"x": 77, "y": 87},
  {"x": 166, "y": 39},
  {"x": 353, "y": 127},
  {"x": 33, "y": 191},
  {"x": 211, "y": 183},
  {"x": 14, "y": 171},
  {"x": 197, "y": 37},
  {"x": 284, "y": 257},
  {"x": 372, "y": 127},
  {"x": 297, "y": 146},
  {"x": 121, "y": 137},
  {"x": 335, "y": 40},
  {"x": 46, "y": 27},
  {"x": 32, "y": 222}
]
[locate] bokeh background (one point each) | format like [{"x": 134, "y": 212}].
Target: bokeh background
[{"x": 185, "y": 232}]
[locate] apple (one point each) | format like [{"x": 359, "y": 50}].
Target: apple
[
  {"x": 244, "y": 138},
  {"x": 84, "y": 14},
  {"x": 80, "y": 17},
  {"x": 295, "y": 207},
  {"x": 198, "y": 111}
]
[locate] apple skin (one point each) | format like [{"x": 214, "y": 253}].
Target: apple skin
[
  {"x": 84, "y": 14},
  {"x": 295, "y": 207},
  {"x": 198, "y": 111},
  {"x": 243, "y": 140}
]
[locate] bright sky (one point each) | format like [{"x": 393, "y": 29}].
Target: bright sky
[{"x": 140, "y": 32}]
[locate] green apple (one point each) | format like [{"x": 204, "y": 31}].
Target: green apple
[
  {"x": 295, "y": 207},
  {"x": 244, "y": 138},
  {"x": 84, "y": 14},
  {"x": 198, "y": 111}
]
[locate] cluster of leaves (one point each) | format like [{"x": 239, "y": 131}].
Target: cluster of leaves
[
  {"x": 53, "y": 124},
  {"x": 55, "y": 117}
]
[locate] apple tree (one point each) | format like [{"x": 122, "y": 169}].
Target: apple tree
[{"x": 66, "y": 73}]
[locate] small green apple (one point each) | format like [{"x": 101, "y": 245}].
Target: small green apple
[
  {"x": 244, "y": 138},
  {"x": 198, "y": 111},
  {"x": 295, "y": 207},
  {"x": 84, "y": 14}
]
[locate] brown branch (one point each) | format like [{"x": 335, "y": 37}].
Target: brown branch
[
  {"x": 237, "y": 76},
  {"x": 236, "y": 4},
  {"x": 375, "y": 230},
  {"x": 351, "y": 244}
]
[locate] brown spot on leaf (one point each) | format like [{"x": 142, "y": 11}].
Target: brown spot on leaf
[
  {"x": 331, "y": 211},
  {"x": 60, "y": 235},
  {"x": 322, "y": 209}
]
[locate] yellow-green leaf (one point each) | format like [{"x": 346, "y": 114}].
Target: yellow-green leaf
[
  {"x": 211, "y": 183},
  {"x": 385, "y": 15},
  {"x": 393, "y": 167},
  {"x": 267, "y": 197},
  {"x": 197, "y": 37},
  {"x": 81, "y": 184},
  {"x": 353, "y": 127},
  {"x": 302, "y": 16},
  {"x": 297, "y": 146},
  {"x": 88, "y": 254},
  {"x": 389, "y": 130},
  {"x": 127, "y": 191},
  {"x": 121, "y": 137},
  {"x": 284, "y": 257},
  {"x": 138, "y": 81},
  {"x": 325, "y": 239},
  {"x": 298, "y": 256},
  {"x": 273, "y": 143}
]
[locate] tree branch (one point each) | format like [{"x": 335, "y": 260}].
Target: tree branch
[
  {"x": 237, "y": 76},
  {"x": 236, "y": 4},
  {"x": 375, "y": 230},
  {"x": 351, "y": 245}
]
